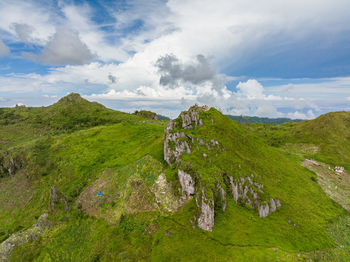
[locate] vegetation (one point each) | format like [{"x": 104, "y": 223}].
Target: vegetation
[
  {"x": 82, "y": 148},
  {"x": 264, "y": 120}
]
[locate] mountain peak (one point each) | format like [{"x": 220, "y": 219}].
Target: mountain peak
[{"x": 72, "y": 97}]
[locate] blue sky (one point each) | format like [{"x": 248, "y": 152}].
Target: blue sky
[{"x": 266, "y": 58}]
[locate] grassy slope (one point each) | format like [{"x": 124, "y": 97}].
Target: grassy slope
[
  {"x": 71, "y": 162},
  {"x": 69, "y": 114},
  {"x": 303, "y": 202},
  {"x": 330, "y": 132}
]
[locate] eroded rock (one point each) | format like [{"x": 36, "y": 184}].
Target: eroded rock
[
  {"x": 164, "y": 195},
  {"x": 206, "y": 217},
  {"x": 186, "y": 182},
  {"x": 249, "y": 192},
  {"x": 27, "y": 236},
  {"x": 57, "y": 198}
]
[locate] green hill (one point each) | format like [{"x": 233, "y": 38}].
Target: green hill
[
  {"x": 263, "y": 120},
  {"x": 328, "y": 137},
  {"x": 111, "y": 186},
  {"x": 69, "y": 114}
]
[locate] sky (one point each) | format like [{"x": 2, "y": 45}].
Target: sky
[{"x": 266, "y": 58}]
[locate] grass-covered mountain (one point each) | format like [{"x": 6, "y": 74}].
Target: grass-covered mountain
[
  {"x": 263, "y": 120},
  {"x": 80, "y": 182}
]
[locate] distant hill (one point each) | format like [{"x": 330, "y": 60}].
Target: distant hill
[
  {"x": 69, "y": 114},
  {"x": 264, "y": 120},
  {"x": 330, "y": 133},
  {"x": 161, "y": 117}
]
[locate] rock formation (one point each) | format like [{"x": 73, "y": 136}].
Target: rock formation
[
  {"x": 10, "y": 164},
  {"x": 57, "y": 198},
  {"x": 27, "y": 236},
  {"x": 245, "y": 190},
  {"x": 210, "y": 192}
]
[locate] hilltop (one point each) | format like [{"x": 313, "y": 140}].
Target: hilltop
[
  {"x": 70, "y": 113},
  {"x": 112, "y": 186}
]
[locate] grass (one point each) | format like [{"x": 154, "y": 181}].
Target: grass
[{"x": 109, "y": 155}]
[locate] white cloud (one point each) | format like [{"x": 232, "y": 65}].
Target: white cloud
[
  {"x": 23, "y": 31},
  {"x": 227, "y": 33},
  {"x": 65, "y": 47},
  {"x": 299, "y": 115},
  {"x": 40, "y": 18},
  {"x": 4, "y": 50}
]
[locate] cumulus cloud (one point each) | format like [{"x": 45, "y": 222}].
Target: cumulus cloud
[
  {"x": 65, "y": 47},
  {"x": 300, "y": 115},
  {"x": 4, "y": 50},
  {"x": 136, "y": 42},
  {"x": 23, "y": 31},
  {"x": 173, "y": 72}
]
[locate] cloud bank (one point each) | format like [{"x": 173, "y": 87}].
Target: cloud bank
[{"x": 169, "y": 54}]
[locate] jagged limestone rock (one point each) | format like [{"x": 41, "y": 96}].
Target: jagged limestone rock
[
  {"x": 10, "y": 164},
  {"x": 165, "y": 196},
  {"x": 244, "y": 191},
  {"x": 191, "y": 119},
  {"x": 263, "y": 210},
  {"x": 223, "y": 198},
  {"x": 57, "y": 198},
  {"x": 27, "y": 236},
  {"x": 273, "y": 206},
  {"x": 187, "y": 183},
  {"x": 206, "y": 217},
  {"x": 175, "y": 144}
]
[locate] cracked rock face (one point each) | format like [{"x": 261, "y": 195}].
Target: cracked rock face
[
  {"x": 187, "y": 183},
  {"x": 206, "y": 218},
  {"x": 175, "y": 145},
  {"x": 249, "y": 192}
]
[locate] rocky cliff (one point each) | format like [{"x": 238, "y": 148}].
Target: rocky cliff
[{"x": 201, "y": 175}]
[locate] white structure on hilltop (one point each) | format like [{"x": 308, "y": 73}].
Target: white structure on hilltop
[{"x": 339, "y": 169}]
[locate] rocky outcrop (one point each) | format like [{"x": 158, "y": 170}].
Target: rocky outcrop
[
  {"x": 191, "y": 119},
  {"x": 57, "y": 199},
  {"x": 165, "y": 196},
  {"x": 245, "y": 190},
  {"x": 209, "y": 190},
  {"x": 177, "y": 143},
  {"x": 10, "y": 164},
  {"x": 187, "y": 183},
  {"x": 206, "y": 217},
  {"x": 27, "y": 236}
]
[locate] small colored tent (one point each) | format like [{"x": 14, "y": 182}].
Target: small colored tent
[{"x": 99, "y": 194}]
